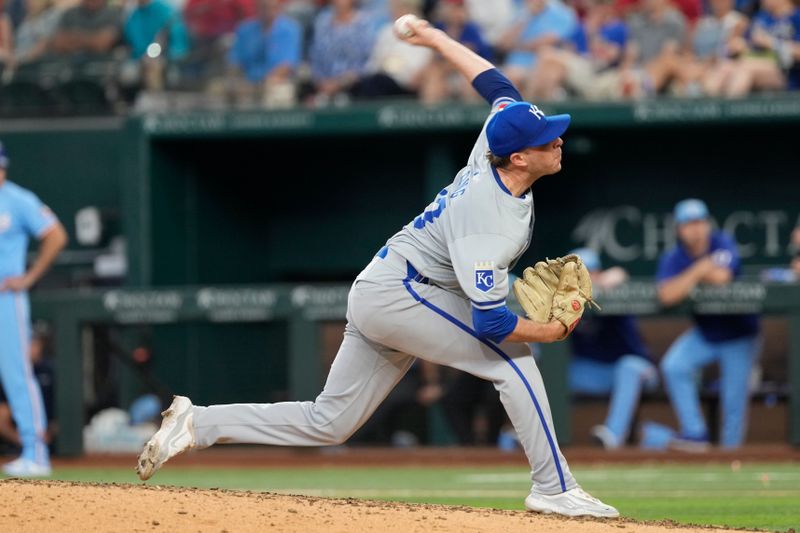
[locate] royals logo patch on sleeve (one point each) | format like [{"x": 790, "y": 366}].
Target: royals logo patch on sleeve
[{"x": 484, "y": 276}]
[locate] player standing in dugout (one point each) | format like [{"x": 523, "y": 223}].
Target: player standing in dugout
[{"x": 437, "y": 290}]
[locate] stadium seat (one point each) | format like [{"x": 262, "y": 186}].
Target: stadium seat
[
  {"x": 25, "y": 98},
  {"x": 83, "y": 96}
]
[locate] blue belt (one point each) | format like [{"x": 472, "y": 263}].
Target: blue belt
[{"x": 412, "y": 273}]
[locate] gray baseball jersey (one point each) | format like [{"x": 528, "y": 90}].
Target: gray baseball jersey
[
  {"x": 473, "y": 233},
  {"x": 464, "y": 244}
]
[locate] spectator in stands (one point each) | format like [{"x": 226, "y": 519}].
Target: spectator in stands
[
  {"x": 6, "y": 39},
  {"x": 66, "y": 4},
  {"x": 748, "y": 8},
  {"x": 690, "y": 9},
  {"x": 771, "y": 59},
  {"x": 16, "y": 10},
  {"x": 209, "y": 20},
  {"x": 716, "y": 40},
  {"x": 704, "y": 256},
  {"x": 156, "y": 35},
  {"x": 441, "y": 81},
  {"x": 544, "y": 24},
  {"x": 265, "y": 55},
  {"x": 494, "y": 18},
  {"x": 395, "y": 68},
  {"x": 34, "y": 34},
  {"x": 342, "y": 39},
  {"x": 92, "y": 28},
  {"x": 211, "y": 24},
  {"x": 595, "y": 48},
  {"x": 610, "y": 358},
  {"x": 303, "y": 11},
  {"x": 40, "y": 353},
  {"x": 795, "y": 244},
  {"x": 379, "y": 11},
  {"x": 652, "y": 55}
]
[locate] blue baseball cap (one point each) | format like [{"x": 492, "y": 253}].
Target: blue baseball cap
[
  {"x": 144, "y": 409},
  {"x": 522, "y": 125},
  {"x": 3, "y": 157},
  {"x": 589, "y": 257},
  {"x": 689, "y": 210}
]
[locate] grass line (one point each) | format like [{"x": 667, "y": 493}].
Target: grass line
[{"x": 763, "y": 496}]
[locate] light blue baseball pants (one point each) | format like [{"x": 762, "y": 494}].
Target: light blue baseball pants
[
  {"x": 681, "y": 367},
  {"x": 19, "y": 383},
  {"x": 624, "y": 379}
]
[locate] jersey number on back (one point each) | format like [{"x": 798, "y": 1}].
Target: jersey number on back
[{"x": 433, "y": 211}]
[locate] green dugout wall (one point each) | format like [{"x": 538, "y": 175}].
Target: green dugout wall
[
  {"x": 205, "y": 201},
  {"x": 70, "y": 164}
]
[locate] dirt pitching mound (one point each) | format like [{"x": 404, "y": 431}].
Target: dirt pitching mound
[{"x": 57, "y": 506}]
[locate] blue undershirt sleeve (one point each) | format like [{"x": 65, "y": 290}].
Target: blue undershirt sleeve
[
  {"x": 494, "y": 324},
  {"x": 492, "y": 84}
]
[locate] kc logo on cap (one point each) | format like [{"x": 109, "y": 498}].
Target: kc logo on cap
[
  {"x": 512, "y": 129},
  {"x": 535, "y": 111}
]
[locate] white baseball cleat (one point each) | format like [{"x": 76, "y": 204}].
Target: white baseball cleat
[
  {"x": 605, "y": 437},
  {"x": 574, "y": 502},
  {"x": 26, "y": 468},
  {"x": 175, "y": 437}
]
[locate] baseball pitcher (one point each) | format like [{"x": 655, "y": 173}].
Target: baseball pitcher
[{"x": 437, "y": 290}]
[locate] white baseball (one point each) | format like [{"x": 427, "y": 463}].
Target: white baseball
[{"x": 402, "y": 26}]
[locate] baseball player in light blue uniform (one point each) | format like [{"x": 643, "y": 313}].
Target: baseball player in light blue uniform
[
  {"x": 437, "y": 290},
  {"x": 704, "y": 256},
  {"x": 22, "y": 216}
]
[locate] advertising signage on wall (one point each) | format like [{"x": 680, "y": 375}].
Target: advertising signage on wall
[
  {"x": 627, "y": 233},
  {"x": 411, "y": 116}
]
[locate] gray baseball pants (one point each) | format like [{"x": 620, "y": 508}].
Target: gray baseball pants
[{"x": 392, "y": 320}]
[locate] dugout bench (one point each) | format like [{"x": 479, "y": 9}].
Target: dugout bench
[{"x": 303, "y": 307}]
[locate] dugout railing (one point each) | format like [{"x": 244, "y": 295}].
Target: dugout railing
[{"x": 304, "y": 307}]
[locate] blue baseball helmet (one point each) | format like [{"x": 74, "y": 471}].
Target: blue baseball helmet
[{"x": 522, "y": 125}]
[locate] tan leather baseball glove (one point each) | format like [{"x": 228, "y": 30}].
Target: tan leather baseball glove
[{"x": 555, "y": 289}]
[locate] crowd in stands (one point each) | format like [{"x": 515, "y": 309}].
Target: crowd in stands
[{"x": 281, "y": 53}]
